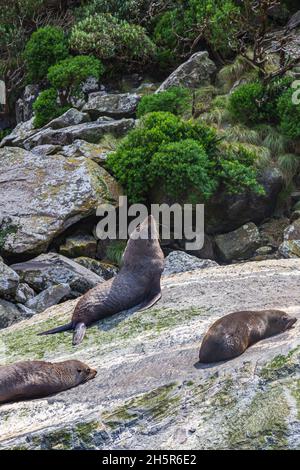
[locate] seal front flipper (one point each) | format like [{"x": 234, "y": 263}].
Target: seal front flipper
[
  {"x": 79, "y": 333},
  {"x": 59, "y": 329},
  {"x": 150, "y": 301}
]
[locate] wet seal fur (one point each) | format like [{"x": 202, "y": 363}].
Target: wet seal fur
[
  {"x": 137, "y": 283},
  {"x": 36, "y": 379},
  {"x": 232, "y": 334}
]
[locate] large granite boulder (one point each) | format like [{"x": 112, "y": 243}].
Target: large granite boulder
[
  {"x": 290, "y": 249},
  {"x": 20, "y": 133},
  {"x": 150, "y": 391},
  {"x": 195, "y": 72},
  {"x": 9, "y": 281},
  {"x": 116, "y": 105},
  {"x": 179, "y": 261},
  {"x": 51, "y": 269},
  {"x": 41, "y": 196},
  {"x": 81, "y": 148},
  {"x": 89, "y": 131},
  {"x": 72, "y": 117},
  {"x": 239, "y": 244}
]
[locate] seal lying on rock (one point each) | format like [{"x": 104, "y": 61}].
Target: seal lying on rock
[
  {"x": 231, "y": 335},
  {"x": 137, "y": 283},
  {"x": 37, "y": 379}
]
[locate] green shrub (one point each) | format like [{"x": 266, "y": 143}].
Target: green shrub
[
  {"x": 289, "y": 115},
  {"x": 131, "y": 10},
  {"x": 107, "y": 37},
  {"x": 182, "y": 158},
  {"x": 174, "y": 100},
  {"x": 45, "y": 47},
  {"x": 46, "y": 107},
  {"x": 71, "y": 72},
  {"x": 183, "y": 170},
  {"x": 246, "y": 103}
]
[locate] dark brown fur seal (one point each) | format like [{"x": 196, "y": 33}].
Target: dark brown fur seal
[
  {"x": 37, "y": 379},
  {"x": 231, "y": 335},
  {"x": 137, "y": 283}
]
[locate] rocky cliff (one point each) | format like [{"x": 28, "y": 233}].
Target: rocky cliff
[{"x": 150, "y": 391}]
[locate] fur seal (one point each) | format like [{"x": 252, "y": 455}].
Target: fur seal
[
  {"x": 232, "y": 334},
  {"x": 36, "y": 379},
  {"x": 137, "y": 283}
]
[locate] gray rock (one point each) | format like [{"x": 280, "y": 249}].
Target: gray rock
[
  {"x": 179, "y": 261},
  {"x": 239, "y": 244},
  {"x": 24, "y": 110},
  {"x": 10, "y": 314},
  {"x": 90, "y": 131},
  {"x": 79, "y": 245},
  {"x": 112, "y": 105},
  {"x": 51, "y": 296},
  {"x": 90, "y": 85},
  {"x": 52, "y": 269},
  {"x": 43, "y": 195},
  {"x": 150, "y": 391},
  {"x": 46, "y": 149},
  {"x": 20, "y": 133},
  {"x": 9, "y": 281},
  {"x": 292, "y": 232},
  {"x": 290, "y": 249},
  {"x": 72, "y": 117},
  {"x": 24, "y": 293},
  {"x": 103, "y": 270},
  {"x": 264, "y": 250},
  {"x": 196, "y": 71},
  {"x": 80, "y": 148}
]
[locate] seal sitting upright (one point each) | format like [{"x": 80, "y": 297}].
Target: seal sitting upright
[
  {"x": 231, "y": 335},
  {"x": 137, "y": 283}
]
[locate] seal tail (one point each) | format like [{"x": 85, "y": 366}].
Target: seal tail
[
  {"x": 79, "y": 333},
  {"x": 59, "y": 329}
]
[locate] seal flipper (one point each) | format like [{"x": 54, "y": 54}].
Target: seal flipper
[
  {"x": 79, "y": 333},
  {"x": 59, "y": 329},
  {"x": 150, "y": 301}
]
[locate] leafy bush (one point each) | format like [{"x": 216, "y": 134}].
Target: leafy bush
[
  {"x": 246, "y": 103},
  {"x": 130, "y": 10},
  {"x": 190, "y": 21},
  {"x": 173, "y": 100},
  {"x": 182, "y": 157},
  {"x": 107, "y": 37},
  {"x": 289, "y": 114},
  {"x": 71, "y": 72},
  {"x": 46, "y": 107},
  {"x": 45, "y": 47},
  {"x": 183, "y": 169}
]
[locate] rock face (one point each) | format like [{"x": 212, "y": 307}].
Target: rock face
[
  {"x": 43, "y": 195},
  {"x": 294, "y": 21},
  {"x": 150, "y": 391},
  {"x": 104, "y": 270},
  {"x": 79, "y": 245},
  {"x": 52, "y": 269},
  {"x": 20, "y": 133},
  {"x": 72, "y": 117},
  {"x": 96, "y": 152},
  {"x": 195, "y": 72},
  {"x": 239, "y": 244},
  {"x": 113, "y": 105},
  {"x": 179, "y": 261},
  {"x": 9, "y": 281},
  {"x": 290, "y": 249},
  {"x": 51, "y": 296},
  {"x": 90, "y": 131}
]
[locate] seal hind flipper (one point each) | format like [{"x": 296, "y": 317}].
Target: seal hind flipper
[
  {"x": 150, "y": 301},
  {"x": 79, "y": 333},
  {"x": 59, "y": 329}
]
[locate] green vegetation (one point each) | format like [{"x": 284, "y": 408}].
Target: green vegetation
[
  {"x": 180, "y": 156},
  {"x": 68, "y": 74},
  {"x": 107, "y": 37},
  {"x": 45, "y": 47},
  {"x": 46, "y": 107},
  {"x": 175, "y": 100},
  {"x": 289, "y": 114}
]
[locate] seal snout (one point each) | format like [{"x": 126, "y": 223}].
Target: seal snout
[
  {"x": 291, "y": 322},
  {"x": 92, "y": 374}
]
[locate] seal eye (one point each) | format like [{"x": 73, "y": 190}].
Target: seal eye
[
  {"x": 79, "y": 371},
  {"x": 88, "y": 370}
]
